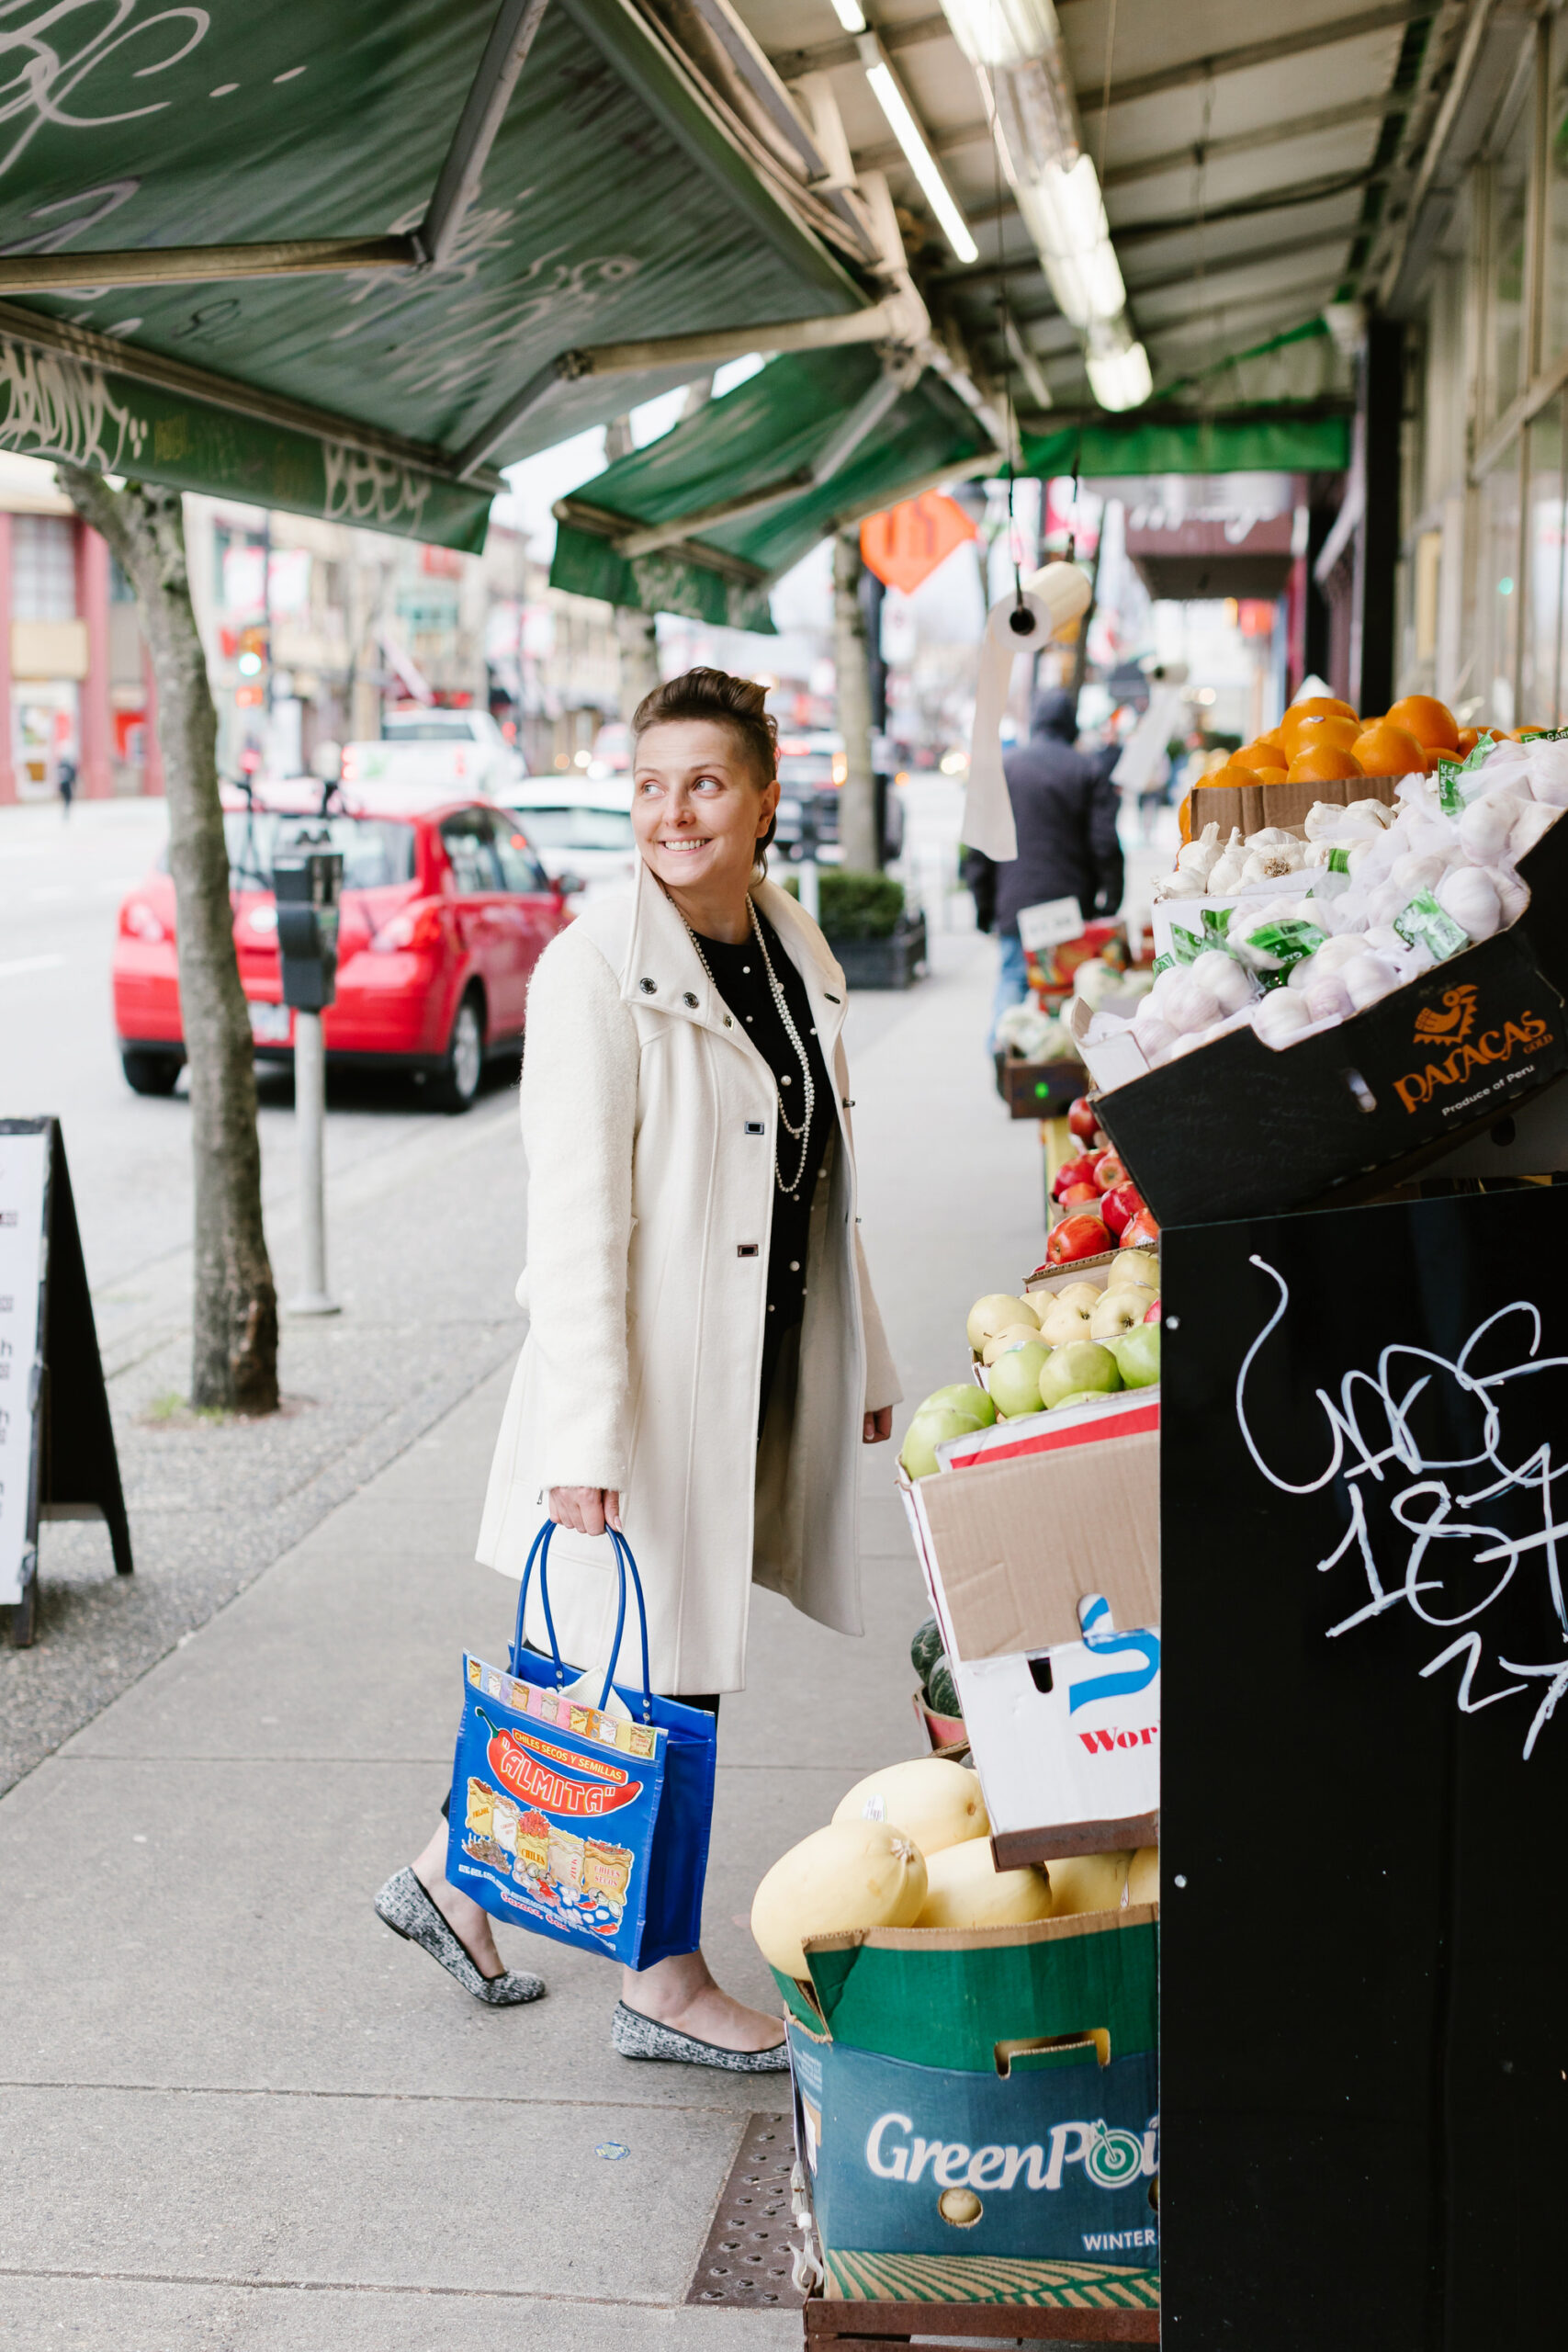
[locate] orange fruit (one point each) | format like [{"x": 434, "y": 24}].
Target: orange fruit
[
  {"x": 1272, "y": 735},
  {"x": 1468, "y": 740},
  {"x": 1261, "y": 757},
  {"x": 1184, "y": 817},
  {"x": 1523, "y": 734},
  {"x": 1430, "y": 721},
  {"x": 1320, "y": 706},
  {"x": 1389, "y": 751},
  {"x": 1323, "y": 763},
  {"x": 1320, "y": 727},
  {"x": 1231, "y": 778}
]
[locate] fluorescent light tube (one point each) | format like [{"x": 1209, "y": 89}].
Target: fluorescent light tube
[
  {"x": 1066, "y": 217},
  {"x": 849, "y": 16},
  {"x": 922, "y": 162},
  {"x": 1003, "y": 32},
  {"x": 1122, "y": 379}
]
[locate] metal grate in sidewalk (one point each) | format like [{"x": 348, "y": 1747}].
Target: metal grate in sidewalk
[{"x": 745, "y": 2261}]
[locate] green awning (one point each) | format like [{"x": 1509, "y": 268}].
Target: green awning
[
  {"x": 1274, "y": 443},
  {"x": 781, "y": 437},
  {"x": 395, "y": 244}
]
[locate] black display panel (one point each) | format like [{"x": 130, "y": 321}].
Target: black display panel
[{"x": 1364, "y": 1471}]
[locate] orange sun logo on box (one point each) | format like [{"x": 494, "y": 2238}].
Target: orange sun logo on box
[{"x": 904, "y": 544}]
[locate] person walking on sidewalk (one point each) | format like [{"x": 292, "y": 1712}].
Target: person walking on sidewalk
[
  {"x": 705, "y": 1356},
  {"x": 1064, "y": 809}
]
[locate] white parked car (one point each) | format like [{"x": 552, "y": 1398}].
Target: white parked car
[
  {"x": 579, "y": 825},
  {"x": 461, "y": 752}
]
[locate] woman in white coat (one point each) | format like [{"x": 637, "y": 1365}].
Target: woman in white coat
[{"x": 704, "y": 1357}]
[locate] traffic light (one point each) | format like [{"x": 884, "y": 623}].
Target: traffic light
[{"x": 254, "y": 653}]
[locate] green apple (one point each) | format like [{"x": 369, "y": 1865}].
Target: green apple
[
  {"x": 1083, "y": 1365},
  {"x": 930, "y": 1430},
  {"x": 962, "y": 1397},
  {"x": 1063, "y": 1322},
  {"x": 1139, "y": 1266},
  {"x": 1117, "y": 1312},
  {"x": 1014, "y": 1379},
  {"x": 1137, "y": 1355},
  {"x": 1080, "y": 1396}
]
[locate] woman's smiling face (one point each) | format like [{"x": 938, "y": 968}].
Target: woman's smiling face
[{"x": 699, "y": 807}]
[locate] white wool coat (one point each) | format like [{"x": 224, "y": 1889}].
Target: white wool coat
[{"x": 648, "y": 1119}]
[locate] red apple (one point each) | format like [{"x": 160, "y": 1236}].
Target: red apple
[
  {"x": 1120, "y": 1206},
  {"x": 1153, "y": 1316},
  {"x": 1140, "y": 1232},
  {"x": 1072, "y": 1171},
  {"x": 1108, "y": 1170},
  {"x": 1081, "y": 1120},
  {"x": 1077, "y": 1236},
  {"x": 1079, "y": 1196}
]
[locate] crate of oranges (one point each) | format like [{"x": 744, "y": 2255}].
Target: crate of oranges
[{"x": 1322, "y": 750}]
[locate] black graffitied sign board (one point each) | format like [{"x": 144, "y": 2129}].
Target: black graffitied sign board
[{"x": 1365, "y": 1974}]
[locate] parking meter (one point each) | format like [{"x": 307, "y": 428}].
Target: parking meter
[{"x": 307, "y": 883}]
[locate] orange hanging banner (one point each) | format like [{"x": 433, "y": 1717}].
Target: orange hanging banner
[{"x": 904, "y": 544}]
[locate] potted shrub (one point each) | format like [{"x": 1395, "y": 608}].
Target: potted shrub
[{"x": 868, "y": 927}]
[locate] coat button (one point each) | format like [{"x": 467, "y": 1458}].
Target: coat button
[
  {"x": 647, "y": 987},
  {"x": 688, "y": 999},
  {"x": 728, "y": 1021}
]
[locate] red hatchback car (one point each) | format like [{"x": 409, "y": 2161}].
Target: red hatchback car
[{"x": 446, "y": 912}]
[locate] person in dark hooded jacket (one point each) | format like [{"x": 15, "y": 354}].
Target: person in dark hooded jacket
[{"x": 1064, "y": 809}]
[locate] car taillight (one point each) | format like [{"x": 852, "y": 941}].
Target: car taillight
[
  {"x": 417, "y": 929},
  {"x": 137, "y": 921}
]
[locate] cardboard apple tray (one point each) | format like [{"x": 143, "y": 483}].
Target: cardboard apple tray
[
  {"x": 1238, "y": 1130},
  {"x": 1027, "y": 1529}
]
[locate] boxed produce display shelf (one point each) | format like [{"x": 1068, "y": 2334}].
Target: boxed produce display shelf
[{"x": 985, "y": 2096}]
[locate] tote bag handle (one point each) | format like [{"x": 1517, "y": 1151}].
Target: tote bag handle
[{"x": 540, "y": 1551}]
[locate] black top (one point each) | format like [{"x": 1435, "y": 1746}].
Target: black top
[
  {"x": 1064, "y": 810},
  {"x": 741, "y": 979}
]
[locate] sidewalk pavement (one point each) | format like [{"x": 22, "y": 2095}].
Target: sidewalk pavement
[{"x": 238, "y": 2114}]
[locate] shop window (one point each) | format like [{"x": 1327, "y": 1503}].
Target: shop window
[
  {"x": 1508, "y": 261},
  {"x": 43, "y": 568},
  {"x": 1540, "y": 702}
]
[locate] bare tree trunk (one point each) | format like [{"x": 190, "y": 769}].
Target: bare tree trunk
[
  {"x": 857, "y": 795},
  {"x": 636, "y": 632},
  {"x": 234, "y": 1314}
]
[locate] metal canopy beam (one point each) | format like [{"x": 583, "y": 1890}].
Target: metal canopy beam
[
  {"x": 200, "y": 265},
  {"x": 1283, "y": 46},
  {"x": 710, "y": 349},
  {"x": 36, "y": 332},
  {"x": 457, "y": 184},
  {"x": 1216, "y": 265},
  {"x": 822, "y": 56}
]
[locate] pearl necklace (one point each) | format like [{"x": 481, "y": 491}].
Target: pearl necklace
[{"x": 801, "y": 1133}]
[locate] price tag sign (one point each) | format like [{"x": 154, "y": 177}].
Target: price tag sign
[
  {"x": 24, "y": 1170},
  {"x": 1048, "y": 924}
]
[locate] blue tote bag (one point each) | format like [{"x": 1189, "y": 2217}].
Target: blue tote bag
[{"x": 568, "y": 1819}]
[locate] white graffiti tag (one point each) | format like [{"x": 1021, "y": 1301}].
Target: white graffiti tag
[
  {"x": 47, "y": 53},
  {"x": 1415, "y": 1447},
  {"x": 55, "y": 407},
  {"x": 374, "y": 491}
]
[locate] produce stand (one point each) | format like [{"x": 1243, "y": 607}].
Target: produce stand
[{"x": 907, "y": 2323}]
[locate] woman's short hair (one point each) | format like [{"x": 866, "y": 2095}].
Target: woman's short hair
[{"x": 740, "y": 703}]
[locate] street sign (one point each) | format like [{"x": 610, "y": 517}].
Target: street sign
[
  {"x": 57, "y": 1449},
  {"x": 904, "y": 544},
  {"x": 1365, "y": 1754}
]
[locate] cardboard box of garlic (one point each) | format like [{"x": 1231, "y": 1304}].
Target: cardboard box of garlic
[{"x": 1310, "y": 1042}]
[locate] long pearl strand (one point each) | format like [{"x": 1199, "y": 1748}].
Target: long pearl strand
[{"x": 801, "y": 1133}]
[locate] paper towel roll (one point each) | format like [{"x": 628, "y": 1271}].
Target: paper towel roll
[{"x": 1051, "y": 598}]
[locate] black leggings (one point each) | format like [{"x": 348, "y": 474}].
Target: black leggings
[{"x": 708, "y": 1702}]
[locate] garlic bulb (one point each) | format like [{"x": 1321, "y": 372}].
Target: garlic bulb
[
  {"x": 1225, "y": 875},
  {"x": 1366, "y": 979},
  {"x": 1535, "y": 820},
  {"x": 1372, "y": 812},
  {"x": 1469, "y": 897},
  {"x": 1334, "y": 954},
  {"x": 1513, "y": 896},
  {"x": 1301, "y": 976},
  {"x": 1197, "y": 857},
  {"x": 1383, "y": 903},
  {"x": 1329, "y": 999},
  {"x": 1322, "y": 819},
  {"x": 1280, "y": 1017},
  {"x": 1485, "y": 825},
  {"x": 1381, "y": 939},
  {"x": 1269, "y": 837},
  {"x": 1155, "y": 1037},
  {"x": 1187, "y": 1045},
  {"x": 1228, "y": 982},
  {"x": 1272, "y": 864},
  {"x": 1413, "y": 873},
  {"x": 1189, "y": 1006},
  {"x": 1547, "y": 771},
  {"x": 1181, "y": 885}
]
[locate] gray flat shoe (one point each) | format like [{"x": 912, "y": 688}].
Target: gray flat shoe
[
  {"x": 635, "y": 2036},
  {"x": 410, "y": 1912}
]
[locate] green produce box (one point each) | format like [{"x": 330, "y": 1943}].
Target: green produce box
[{"x": 987, "y": 2097}]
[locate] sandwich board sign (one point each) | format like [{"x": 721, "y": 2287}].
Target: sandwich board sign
[
  {"x": 57, "y": 1449},
  {"x": 1365, "y": 1751}
]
